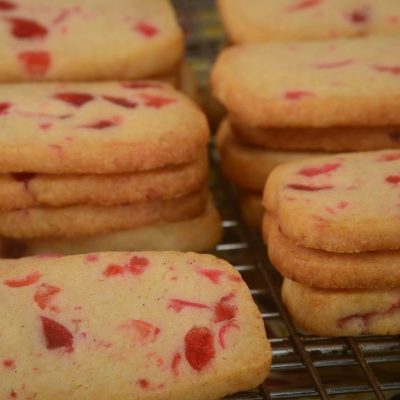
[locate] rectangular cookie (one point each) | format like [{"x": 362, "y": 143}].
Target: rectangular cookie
[
  {"x": 348, "y": 82},
  {"x": 28, "y": 190},
  {"x": 198, "y": 234},
  {"x": 327, "y": 312},
  {"x": 345, "y": 203},
  {"x": 333, "y": 139},
  {"x": 248, "y": 166},
  {"x": 269, "y": 20},
  {"x": 110, "y": 127},
  {"x": 71, "y": 40},
  {"x": 83, "y": 220},
  {"x": 328, "y": 270},
  {"x": 128, "y": 326}
]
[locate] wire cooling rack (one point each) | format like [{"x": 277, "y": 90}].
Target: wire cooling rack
[{"x": 303, "y": 366}]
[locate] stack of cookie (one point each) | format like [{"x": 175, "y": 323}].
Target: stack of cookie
[
  {"x": 332, "y": 228},
  {"x": 114, "y": 166},
  {"x": 286, "y": 100},
  {"x": 261, "y": 20}
]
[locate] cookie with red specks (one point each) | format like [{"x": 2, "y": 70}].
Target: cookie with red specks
[
  {"x": 24, "y": 190},
  {"x": 327, "y": 312},
  {"x": 199, "y": 234},
  {"x": 328, "y": 270},
  {"x": 348, "y": 82},
  {"x": 249, "y": 166},
  {"x": 261, "y": 20},
  {"x": 343, "y": 203},
  {"x": 47, "y": 40},
  {"x": 327, "y": 139},
  {"x": 110, "y": 127},
  {"x": 83, "y": 220},
  {"x": 128, "y": 325}
]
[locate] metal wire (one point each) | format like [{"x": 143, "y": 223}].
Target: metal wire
[{"x": 303, "y": 366}]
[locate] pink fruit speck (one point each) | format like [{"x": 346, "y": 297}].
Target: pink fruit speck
[
  {"x": 297, "y": 94},
  {"x": 391, "y": 69},
  {"x": 143, "y": 383},
  {"x": 56, "y": 335},
  {"x": 212, "y": 274},
  {"x": 137, "y": 265},
  {"x": 102, "y": 124},
  {"x": 91, "y": 258},
  {"x": 75, "y": 99},
  {"x": 120, "y": 101},
  {"x": 395, "y": 179},
  {"x": 334, "y": 64},
  {"x": 27, "y": 29},
  {"x": 178, "y": 305},
  {"x": 223, "y": 330},
  {"x": 321, "y": 169},
  {"x": 143, "y": 330},
  {"x": 199, "y": 347},
  {"x": 303, "y": 5},
  {"x": 175, "y": 364},
  {"x": 389, "y": 157},
  {"x": 308, "y": 188},
  {"x": 4, "y": 107},
  {"x": 342, "y": 205},
  {"x": 44, "y": 295},
  {"x": 360, "y": 16},
  {"x": 113, "y": 270},
  {"x": 146, "y": 29},
  {"x": 35, "y": 63},
  {"x": 156, "y": 101},
  {"x": 29, "y": 279},
  {"x": 7, "y": 5},
  {"x": 141, "y": 85},
  {"x": 224, "y": 312},
  {"x": 9, "y": 363}
]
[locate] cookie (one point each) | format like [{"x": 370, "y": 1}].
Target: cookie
[
  {"x": 199, "y": 234},
  {"x": 165, "y": 340},
  {"x": 343, "y": 203},
  {"x": 44, "y": 40},
  {"x": 261, "y": 20},
  {"x": 249, "y": 166},
  {"x": 83, "y": 220},
  {"x": 349, "y": 82},
  {"x": 24, "y": 190},
  {"x": 327, "y": 270},
  {"x": 327, "y": 139},
  {"x": 251, "y": 208},
  {"x": 343, "y": 312},
  {"x": 112, "y": 127}
]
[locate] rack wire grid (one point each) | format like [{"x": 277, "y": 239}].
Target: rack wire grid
[{"x": 303, "y": 366}]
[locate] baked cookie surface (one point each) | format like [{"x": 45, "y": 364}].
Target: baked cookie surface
[
  {"x": 348, "y": 82},
  {"x": 343, "y": 203},
  {"x": 111, "y": 127},
  {"x": 137, "y": 320},
  {"x": 75, "y": 40}
]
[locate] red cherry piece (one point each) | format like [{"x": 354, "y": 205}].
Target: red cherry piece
[
  {"x": 76, "y": 99},
  {"x": 121, "y": 101},
  {"x": 113, "y": 270},
  {"x": 25, "y": 281},
  {"x": 178, "y": 305},
  {"x": 7, "y": 5},
  {"x": 8, "y": 363},
  {"x": 175, "y": 364},
  {"x": 323, "y": 169},
  {"x": 297, "y": 94},
  {"x": 146, "y": 29},
  {"x": 137, "y": 265},
  {"x": 143, "y": 330},
  {"x": 394, "y": 69},
  {"x": 27, "y": 29},
  {"x": 36, "y": 63},
  {"x": 4, "y": 107},
  {"x": 212, "y": 274},
  {"x": 360, "y": 16},
  {"x": 303, "y": 5},
  {"x": 102, "y": 124},
  {"x": 308, "y": 188},
  {"x": 336, "y": 64},
  {"x": 56, "y": 335},
  {"x": 199, "y": 347},
  {"x": 223, "y": 330},
  {"x": 143, "y": 383},
  {"x": 224, "y": 312},
  {"x": 44, "y": 295},
  {"x": 156, "y": 101},
  {"x": 395, "y": 179}
]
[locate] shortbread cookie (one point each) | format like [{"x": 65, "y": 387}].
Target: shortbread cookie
[
  {"x": 199, "y": 234},
  {"x": 71, "y": 40},
  {"x": 249, "y": 166},
  {"x": 251, "y": 208},
  {"x": 129, "y": 326},
  {"x": 343, "y": 312},
  {"x": 262, "y": 20},
  {"x": 112, "y": 127},
  {"x": 327, "y": 139},
  {"x": 343, "y": 203},
  {"x": 352, "y": 82},
  {"x": 83, "y": 220},
  {"x": 30, "y": 190},
  {"x": 323, "y": 269}
]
